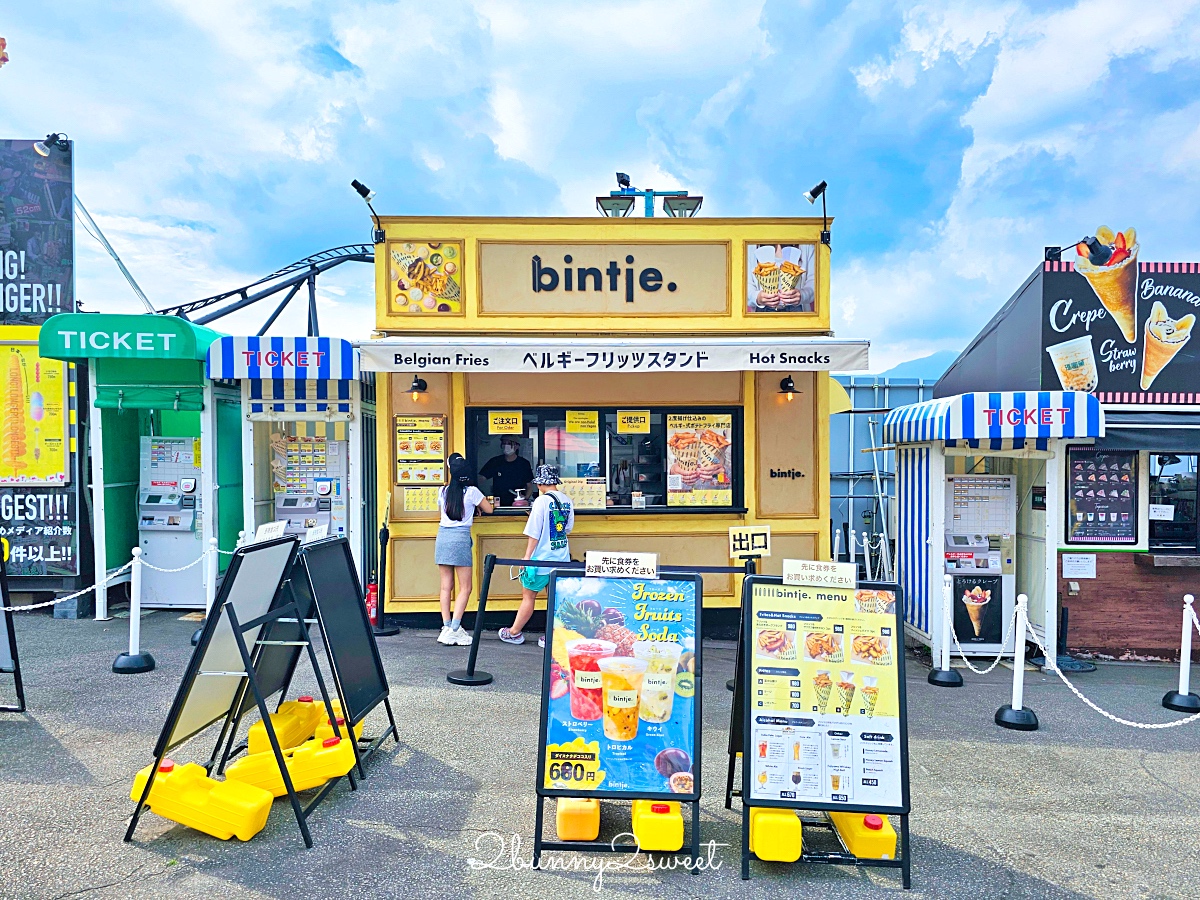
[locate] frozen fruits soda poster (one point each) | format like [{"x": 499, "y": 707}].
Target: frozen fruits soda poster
[
  {"x": 824, "y": 702},
  {"x": 619, "y": 702}
]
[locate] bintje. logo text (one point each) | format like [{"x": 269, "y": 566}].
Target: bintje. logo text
[
  {"x": 581, "y": 278},
  {"x": 1043, "y": 415}
]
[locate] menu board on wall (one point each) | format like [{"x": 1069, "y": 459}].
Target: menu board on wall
[
  {"x": 698, "y": 460},
  {"x": 420, "y": 449},
  {"x": 621, "y": 691},
  {"x": 1102, "y": 498},
  {"x": 586, "y": 493},
  {"x": 33, "y": 435},
  {"x": 826, "y": 721}
]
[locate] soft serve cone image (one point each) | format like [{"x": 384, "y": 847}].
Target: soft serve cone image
[
  {"x": 975, "y": 600},
  {"x": 1109, "y": 262},
  {"x": 823, "y": 684},
  {"x": 870, "y": 694},
  {"x": 1164, "y": 338},
  {"x": 845, "y": 689}
]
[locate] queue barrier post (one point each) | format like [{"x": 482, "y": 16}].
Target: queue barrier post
[
  {"x": 1015, "y": 715},
  {"x": 135, "y": 661},
  {"x": 379, "y": 628},
  {"x": 1183, "y": 700},
  {"x": 211, "y": 568},
  {"x": 942, "y": 675},
  {"x": 469, "y": 676}
]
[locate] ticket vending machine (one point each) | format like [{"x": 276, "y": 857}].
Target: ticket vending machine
[
  {"x": 169, "y": 516},
  {"x": 980, "y": 555},
  {"x": 310, "y": 486}
]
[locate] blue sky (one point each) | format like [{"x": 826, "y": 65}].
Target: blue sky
[{"x": 215, "y": 141}]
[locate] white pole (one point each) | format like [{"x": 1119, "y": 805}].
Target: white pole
[
  {"x": 354, "y": 477},
  {"x": 837, "y": 543},
  {"x": 135, "y": 604},
  {"x": 947, "y": 619},
  {"x": 1018, "y": 692},
  {"x": 1055, "y": 481},
  {"x": 210, "y": 586},
  {"x": 1185, "y": 648},
  {"x": 854, "y": 549},
  {"x": 208, "y": 472},
  {"x": 249, "y": 476},
  {"x": 867, "y": 554},
  {"x": 99, "y": 539}
]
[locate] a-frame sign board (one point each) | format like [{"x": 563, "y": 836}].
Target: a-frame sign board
[
  {"x": 324, "y": 584},
  {"x": 10, "y": 661},
  {"x": 223, "y": 664}
]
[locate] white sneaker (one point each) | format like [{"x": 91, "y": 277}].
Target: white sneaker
[
  {"x": 446, "y": 637},
  {"x": 460, "y": 637},
  {"x": 542, "y": 641}
]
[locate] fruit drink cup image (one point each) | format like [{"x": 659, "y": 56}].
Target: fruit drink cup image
[
  {"x": 1164, "y": 338},
  {"x": 658, "y": 684},
  {"x": 796, "y": 750},
  {"x": 762, "y": 749},
  {"x": 584, "y": 657},
  {"x": 870, "y": 694},
  {"x": 1075, "y": 363},
  {"x": 762, "y": 778},
  {"x": 823, "y": 685},
  {"x": 835, "y": 782},
  {"x": 621, "y": 677},
  {"x": 846, "y": 689}
]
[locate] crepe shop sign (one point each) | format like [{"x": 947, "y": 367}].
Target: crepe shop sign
[{"x": 1042, "y": 415}]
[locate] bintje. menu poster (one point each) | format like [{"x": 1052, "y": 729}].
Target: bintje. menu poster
[
  {"x": 698, "y": 463},
  {"x": 824, "y": 697},
  {"x": 33, "y": 433},
  {"x": 619, "y": 697}
]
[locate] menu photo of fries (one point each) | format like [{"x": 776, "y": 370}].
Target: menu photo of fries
[
  {"x": 871, "y": 649},
  {"x": 776, "y": 643},
  {"x": 822, "y": 646}
]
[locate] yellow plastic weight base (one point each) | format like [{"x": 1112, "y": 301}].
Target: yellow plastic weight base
[
  {"x": 867, "y": 836},
  {"x": 577, "y": 819},
  {"x": 294, "y": 724},
  {"x": 185, "y": 794},
  {"x": 775, "y": 834},
  {"x": 658, "y": 825},
  {"x": 310, "y": 765},
  {"x": 325, "y": 730}
]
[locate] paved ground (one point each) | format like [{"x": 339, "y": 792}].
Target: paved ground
[{"x": 1082, "y": 808}]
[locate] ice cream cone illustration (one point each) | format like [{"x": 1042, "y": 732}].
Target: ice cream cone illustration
[
  {"x": 845, "y": 689},
  {"x": 823, "y": 685},
  {"x": 870, "y": 694},
  {"x": 1164, "y": 338},
  {"x": 975, "y": 600},
  {"x": 1109, "y": 262}
]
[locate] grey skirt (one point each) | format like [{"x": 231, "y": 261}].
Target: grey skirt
[{"x": 453, "y": 546}]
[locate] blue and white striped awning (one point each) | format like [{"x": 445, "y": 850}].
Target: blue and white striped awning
[
  {"x": 280, "y": 358},
  {"x": 997, "y": 420}
]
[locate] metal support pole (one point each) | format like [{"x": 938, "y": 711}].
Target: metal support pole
[
  {"x": 942, "y": 675},
  {"x": 135, "y": 661},
  {"x": 380, "y": 629},
  {"x": 99, "y": 530},
  {"x": 1183, "y": 700},
  {"x": 1014, "y": 715},
  {"x": 313, "y": 329}
]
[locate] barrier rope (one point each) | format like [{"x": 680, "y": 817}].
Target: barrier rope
[
  {"x": 1012, "y": 623},
  {"x": 1148, "y": 726},
  {"x": 194, "y": 562},
  {"x": 56, "y": 601}
]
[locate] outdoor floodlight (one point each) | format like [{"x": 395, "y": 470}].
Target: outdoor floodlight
[
  {"x": 367, "y": 194},
  {"x": 811, "y": 196},
  {"x": 623, "y": 180},
  {"x": 363, "y": 191},
  {"x": 682, "y": 207},
  {"x": 615, "y": 207},
  {"x": 418, "y": 387},
  {"x": 53, "y": 141}
]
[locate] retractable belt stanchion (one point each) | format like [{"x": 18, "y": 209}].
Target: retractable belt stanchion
[
  {"x": 378, "y": 626},
  {"x": 1183, "y": 700},
  {"x": 1014, "y": 715},
  {"x": 942, "y": 675},
  {"x": 469, "y": 676}
]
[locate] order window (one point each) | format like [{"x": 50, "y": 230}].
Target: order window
[
  {"x": 657, "y": 459},
  {"x": 1173, "y": 520}
]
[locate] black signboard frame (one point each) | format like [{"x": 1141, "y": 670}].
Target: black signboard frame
[
  {"x": 10, "y": 664},
  {"x": 1081, "y": 454},
  {"x": 745, "y": 682},
  {"x": 541, "y": 845}
]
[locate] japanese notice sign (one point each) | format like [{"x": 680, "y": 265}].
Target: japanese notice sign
[
  {"x": 749, "y": 541},
  {"x": 583, "y": 421},
  {"x": 826, "y": 724},
  {"x": 633, "y": 421},
  {"x": 504, "y": 421},
  {"x": 621, "y": 687},
  {"x": 618, "y": 564},
  {"x": 41, "y": 525},
  {"x": 824, "y": 574}
]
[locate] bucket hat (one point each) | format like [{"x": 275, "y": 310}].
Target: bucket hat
[{"x": 547, "y": 475}]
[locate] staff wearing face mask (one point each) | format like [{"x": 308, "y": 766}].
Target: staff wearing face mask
[{"x": 508, "y": 472}]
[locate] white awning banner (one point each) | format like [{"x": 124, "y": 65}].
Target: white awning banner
[{"x": 769, "y": 353}]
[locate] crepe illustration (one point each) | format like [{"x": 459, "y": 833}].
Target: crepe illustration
[
  {"x": 1164, "y": 338},
  {"x": 975, "y": 600},
  {"x": 823, "y": 685},
  {"x": 1109, "y": 263}
]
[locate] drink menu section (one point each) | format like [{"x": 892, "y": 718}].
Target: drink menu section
[
  {"x": 826, "y": 724},
  {"x": 620, "y": 689},
  {"x": 1103, "y": 500}
]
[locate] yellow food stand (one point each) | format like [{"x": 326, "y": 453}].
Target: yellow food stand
[{"x": 676, "y": 370}]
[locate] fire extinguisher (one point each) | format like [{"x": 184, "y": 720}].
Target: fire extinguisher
[{"x": 372, "y": 601}]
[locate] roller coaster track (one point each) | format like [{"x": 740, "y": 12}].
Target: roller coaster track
[{"x": 290, "y": 278}]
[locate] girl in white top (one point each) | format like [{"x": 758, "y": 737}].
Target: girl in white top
[{"x": 452, "y": 552}]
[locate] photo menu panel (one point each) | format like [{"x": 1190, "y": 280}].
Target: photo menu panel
[{"x": 1102, "y": 497}]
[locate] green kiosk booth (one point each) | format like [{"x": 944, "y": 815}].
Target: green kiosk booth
[{"x": 165, "y": 450}]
